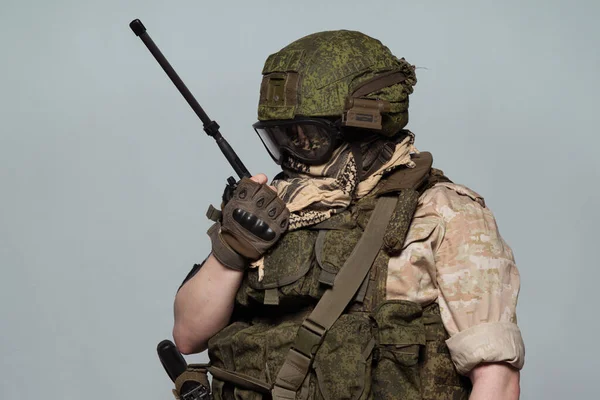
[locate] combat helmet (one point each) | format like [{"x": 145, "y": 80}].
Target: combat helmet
[{"x": 342, "y": 78}]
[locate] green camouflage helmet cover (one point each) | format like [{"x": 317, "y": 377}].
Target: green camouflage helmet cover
[{"x": 326, "y": 73}]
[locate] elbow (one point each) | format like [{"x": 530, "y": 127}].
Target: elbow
[
  {"x": 186, "y": 342},
  {"x": 183, "y": 345},
  {"x": 186, "y": 349}
]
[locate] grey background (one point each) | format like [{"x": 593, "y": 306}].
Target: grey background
[{"x": 105, "y": 173}]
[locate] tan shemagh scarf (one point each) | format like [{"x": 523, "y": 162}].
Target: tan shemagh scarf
[{"x": 314, "y": 193}]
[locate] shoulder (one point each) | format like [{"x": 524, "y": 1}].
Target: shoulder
[
  {"x": 448, "y": 199},
  {"x": 456, "y": 220},
  {"x": 468, "y": 226}
]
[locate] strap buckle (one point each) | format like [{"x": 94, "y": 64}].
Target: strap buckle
[
  {"x": 309, "y": 338},
  {"x": 280, "y": 393},
  {"x": 200, "y": 392}
]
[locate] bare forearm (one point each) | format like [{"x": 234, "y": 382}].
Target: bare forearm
[
  {"x": 204, "y": 304},
  {"x": 496, "y": 381}
]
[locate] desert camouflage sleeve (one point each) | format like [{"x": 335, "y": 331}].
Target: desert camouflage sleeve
[{"x": 478, "y": 281}]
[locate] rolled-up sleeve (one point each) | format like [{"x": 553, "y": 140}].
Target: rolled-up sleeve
[{"x": 478, "y": 282}]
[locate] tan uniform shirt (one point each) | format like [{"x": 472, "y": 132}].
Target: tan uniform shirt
[{"x": 454, "y": 255}]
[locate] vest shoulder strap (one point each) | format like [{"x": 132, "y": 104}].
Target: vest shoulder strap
[
  {"x": 408, "y": 178},
  {"x": 334, "y": 301}
]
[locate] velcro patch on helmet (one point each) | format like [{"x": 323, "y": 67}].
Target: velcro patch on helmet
[{"x": 279, "y": 89}]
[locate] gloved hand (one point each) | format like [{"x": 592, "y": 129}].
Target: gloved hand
[{"x": 252, "y": 221}]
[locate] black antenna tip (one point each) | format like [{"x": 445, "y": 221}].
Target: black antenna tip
[{"x": 137, "y": 27}]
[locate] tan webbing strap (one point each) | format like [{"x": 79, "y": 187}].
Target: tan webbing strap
[
  {"x": 271, "y": 297},
  {"x": 379, "y": 82},
  {"x": 362, "y": 291},
  {"x": 354, "y": 271},
  {"x": 238, "y": 379},
  {"x": 408, "y": 178},
  {"x": 194, "y": 373},
  {"x": 213, "y": 214},
  {"x": 334, "y": 301}
]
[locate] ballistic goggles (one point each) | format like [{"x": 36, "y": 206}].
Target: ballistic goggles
[{"x": 310, "y": 140}]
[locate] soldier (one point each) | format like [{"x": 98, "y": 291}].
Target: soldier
[{"x": 361, "y": 271}]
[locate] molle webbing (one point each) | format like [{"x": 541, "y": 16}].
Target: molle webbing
[{"x": 332, "y": 304}]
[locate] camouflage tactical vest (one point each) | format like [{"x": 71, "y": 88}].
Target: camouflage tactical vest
[{"x": 377, "y": 349}]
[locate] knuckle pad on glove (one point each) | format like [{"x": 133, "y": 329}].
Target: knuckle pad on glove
[
  {"x": 254, "y": 219},
  {"x": 246, "y": 189},
  {"x": 283, "y": 220},
  {"x": 264, "y": 197}
]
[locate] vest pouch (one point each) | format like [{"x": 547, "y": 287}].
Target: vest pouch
[
  {"x": 400, "y": 339},
  {"x": 256, "y": 351},
  {"x": 221, "y": 356},
  {"x": 333, "y": 247},
  {"x": 289, "y": 275},
  {"x": 440, "y": 380},
  {"x": 342, "y": 365}
]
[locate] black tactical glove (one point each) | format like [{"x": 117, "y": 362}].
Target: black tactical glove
[{"x": 252, "y": 221}]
